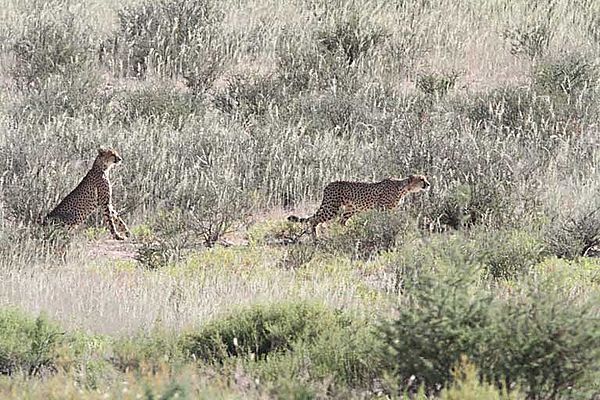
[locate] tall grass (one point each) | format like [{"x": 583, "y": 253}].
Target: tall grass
[{"x": 229, "y": 114}]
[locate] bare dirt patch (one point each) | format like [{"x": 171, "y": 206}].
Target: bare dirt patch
[{"x": 115, "y": 250}]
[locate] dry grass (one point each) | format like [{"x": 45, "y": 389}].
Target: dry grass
[{"x": 248, "y": 115}]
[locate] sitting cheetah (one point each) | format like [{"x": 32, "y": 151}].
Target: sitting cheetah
[
  {"x": 358, "y": 196},
  {"x": 92, "y": 192}
]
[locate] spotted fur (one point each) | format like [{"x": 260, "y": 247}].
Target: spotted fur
[
  {"x": 352, "y": 197},
  {"x": 92, "y": 192}
]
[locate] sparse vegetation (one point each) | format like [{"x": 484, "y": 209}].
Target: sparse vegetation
[{"x": 231, "y": 116}]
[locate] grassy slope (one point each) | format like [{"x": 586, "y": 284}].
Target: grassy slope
[{"x": 281, "y": 115}]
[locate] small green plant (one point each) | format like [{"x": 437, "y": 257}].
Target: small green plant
[{"x": 467, "y": 385}]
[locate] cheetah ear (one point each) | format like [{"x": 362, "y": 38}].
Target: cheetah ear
[{"x": 101, "y": 150}]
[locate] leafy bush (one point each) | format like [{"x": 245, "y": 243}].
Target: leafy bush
[
  {"x": 542, "y": 340},
  {"x": 260, "y": 331},
  {"x": 445, "y": 319},
  {"x": 27, "y": 344},
  {"x": 545, "y": 342},
  {"x": 567, "y": 74}
]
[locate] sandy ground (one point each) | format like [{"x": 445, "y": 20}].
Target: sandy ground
[{"x": 114, "y": 250}]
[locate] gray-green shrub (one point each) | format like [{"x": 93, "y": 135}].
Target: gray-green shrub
[
  {"x": 260, "y": 331},
  {"x": 27, "y": 344}
]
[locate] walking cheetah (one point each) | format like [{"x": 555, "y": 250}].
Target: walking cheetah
[
  {"x": 92, "y": 192},
  {"x": 359, "y": 196}
]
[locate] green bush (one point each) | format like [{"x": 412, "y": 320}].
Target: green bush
[
  {"x": 260, "y": 331},
  {"x": 466, "y": 385},
  {"x": 446, "y": 318},
  {"x": 543, "y": 340},
  {"x": 27, "y": 344},
  {"x": 146, "y": 353}
]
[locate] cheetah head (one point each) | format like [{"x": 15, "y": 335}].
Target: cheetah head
[
  {"x": 418, "y": 183},
  {"x": 108, "y": 157}
]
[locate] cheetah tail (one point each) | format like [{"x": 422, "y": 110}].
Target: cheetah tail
[{"x": 293, "y": 218}]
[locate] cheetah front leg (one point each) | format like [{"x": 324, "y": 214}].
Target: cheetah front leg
[
  {"x": 348, "y": 212},
  {"x": 109, "y": 213},
  {"x": 122, "y": 226}
]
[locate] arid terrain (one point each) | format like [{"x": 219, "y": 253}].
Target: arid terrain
[{"x": 232, "y": 115}]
